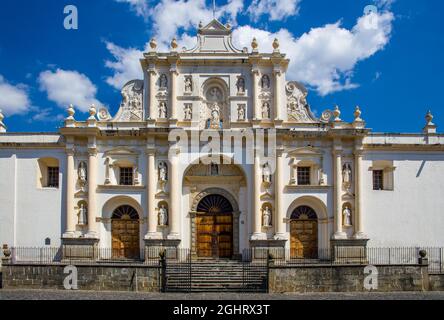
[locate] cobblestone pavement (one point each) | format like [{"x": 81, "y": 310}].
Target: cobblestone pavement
[{"x": 107, "y": 295}]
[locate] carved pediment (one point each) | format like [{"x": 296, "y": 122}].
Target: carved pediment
[
  {"x": 304, "y": 151},
  {"x": 298, "y": 109},
  {"x": 131, "y": 107},
  {"x": 214, "y": 38},
  {"x": 122, "y": 151}
]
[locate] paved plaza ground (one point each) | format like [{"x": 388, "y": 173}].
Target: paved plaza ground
[{"x": 106, "y": 295}]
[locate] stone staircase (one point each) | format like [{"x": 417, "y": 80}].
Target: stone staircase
[{"x": 216, "y": 276}]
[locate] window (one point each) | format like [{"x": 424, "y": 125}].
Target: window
[
  {"x": 303, "y": 176},
  {"x": 378, "y": 180},
  {"x": 53, "y": 177},
  {"x": 126, "y": 176}
]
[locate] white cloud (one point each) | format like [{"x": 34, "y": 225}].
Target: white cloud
[
  {"x": 276, "y": 9},
  {"x": 324, "y": 58},
  {"x": 46, "y": 115},
  {"x": 13, "y": 99},
  {"x": 139, "y": 6},
  {"x": 385, "y": 4},
  {"x": 65, "y": 87}
]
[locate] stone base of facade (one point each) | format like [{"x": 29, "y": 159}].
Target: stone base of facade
[
  {"x": 349, "y": 250},
  {"x": 80, "y": 249},
  {"x": 155, "y": 247},
  {"x": 262, "y": 248}
]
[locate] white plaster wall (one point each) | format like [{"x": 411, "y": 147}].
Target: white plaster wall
[
  {"x": 412, "y": 214},
  {"x": 7, "y": 197},
  {"x": 39, "y": 212}
]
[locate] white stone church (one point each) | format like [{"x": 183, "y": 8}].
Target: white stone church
[{"x": 216, "y": 151}]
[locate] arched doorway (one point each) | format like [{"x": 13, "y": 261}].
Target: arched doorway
[
  {"x": 304, "y": 233},
  {"x": 125, "y": 233},
  {"x": 214, "y": 226}
]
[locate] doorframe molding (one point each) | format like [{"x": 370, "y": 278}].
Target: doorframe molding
[{"x": 193, "y": 213}]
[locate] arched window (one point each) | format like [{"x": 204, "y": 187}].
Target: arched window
[
  {"x": 304, "y": 213},
  {"x": 214, "y": 203},
  {"x": 125, "y": 212}
]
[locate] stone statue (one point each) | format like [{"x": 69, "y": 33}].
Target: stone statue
[
  {"x": 214, "y": 94},
  {"x": 81, "y": 172},
  {"x": 346, "y": 213},
  {"x": 163, "y": 81},
  {"x": 241, "y": 85},
  {"x": 266, "y": 174},
  {"x": 163, "y": 110},
  {"x": 266, "y": 217},
  {"x": 215, "y": 117},
  {"x": 163, "y": 216},
  {"x": 188, "y": 84},
  {"x": 188, "y": 112},
  {"x": 265, "y": 82},
  {"x": 214, "y": 169},
  {"x": 82, "y": 215},
  {"x": 163, "y": 171},
  {"x": 266, "y": 112},
  {"x": 346, "y": 173},
  {"x": 241, "y": 112}
]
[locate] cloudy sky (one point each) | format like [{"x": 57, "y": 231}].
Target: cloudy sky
[{"x": 389, "y": 61}]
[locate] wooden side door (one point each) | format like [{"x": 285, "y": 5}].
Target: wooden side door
[
  {"x": 304, "y": 239},
  {"x": 125, "y": 238}
]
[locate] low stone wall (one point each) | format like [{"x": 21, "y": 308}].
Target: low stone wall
[
  {"x": 90, "y": 277},
  {"x": 345, "y": 278},
  {"x": 436, "y": 282}
]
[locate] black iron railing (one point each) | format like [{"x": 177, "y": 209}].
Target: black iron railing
[{"x": 296, "y": 257}]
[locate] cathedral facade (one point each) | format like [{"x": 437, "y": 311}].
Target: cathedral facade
[{"x": 216, "y": 151}]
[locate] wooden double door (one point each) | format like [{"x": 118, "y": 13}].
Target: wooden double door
[
  {"x": 304, "y": 233},
  {"x": 125, "y": 233},
  {"x": 214, "y": 235}
]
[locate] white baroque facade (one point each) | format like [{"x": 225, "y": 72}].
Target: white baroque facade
[{"x": 134, "y": 180}]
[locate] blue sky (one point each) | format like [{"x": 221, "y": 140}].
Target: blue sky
[{"x": 394, "y": 71}]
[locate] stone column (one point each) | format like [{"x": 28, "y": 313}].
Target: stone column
[
  {"x": 279, "y": 205},
  {"x": 359, "y": 231},
  {"x": 92, "y": 190},
  {"x": 152, "y": 96},
  {"x": 151, "y": 200},
  {"x": 175, "y": 199},
  {"x": 256, "y": 112},
  {"x": 70, "y": 183},
  {"x": 339, "y": 234},
  {"x": 277, "y": 90},
  {"x": 173, "y": 99},
  {"x": 256, "y": 214}
]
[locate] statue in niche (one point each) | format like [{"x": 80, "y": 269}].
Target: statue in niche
[
  {"x": 163, "y": 110},
  {"x": 266, "y": 112},
  {"x": 266, "y": 173},
  {"x": 188, "y": 84},
  {"x": 136, "y": 175},
  {"x": 214, "y": 169},
  {"x": 82, "y": 215},
  {"x": 163, "y": 172},
  {"x": 215, "y": 120},
  {"x": 82, "y": 173},
  {"x": 163, "y": 81},
  {"x": 347, "y": 176},
  {"x": 265, "y": 82},
  {"x": 163, "y": 216},
  {"x": 188, "y": 111},
  {"x": 266, "y": 217},
  {"x": 241, "y": 85},
  {"x": 241, "y": 112},
  {"x": 346, "y": 213}
]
